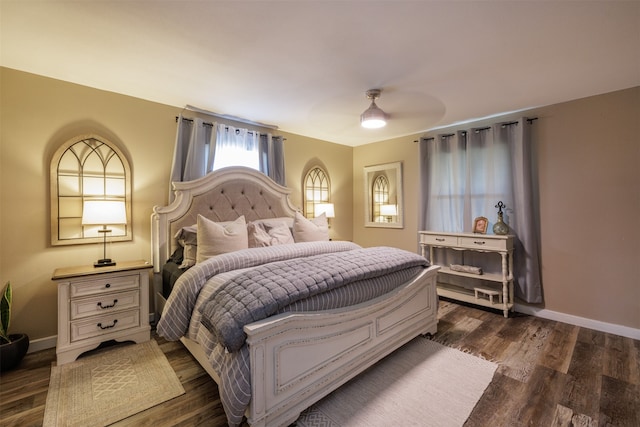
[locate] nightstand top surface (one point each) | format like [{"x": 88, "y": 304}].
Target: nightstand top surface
[{"x": 89, "y": 270}]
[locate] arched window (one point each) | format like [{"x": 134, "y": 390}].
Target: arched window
[
  {"x": 317, "y": 189},
  {"x": 86, "y": 168},
  {"x": 380, "y": 197}
]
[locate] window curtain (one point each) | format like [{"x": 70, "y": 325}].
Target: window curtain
[
  {"x": 203, "y": 147},
  {"x": 464, "y": 175},
  {"x": 194, "y": 151},
  {"x": 272, "y": 157}
]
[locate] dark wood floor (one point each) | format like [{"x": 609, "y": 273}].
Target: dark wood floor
[{"x": 550, "y": 374}]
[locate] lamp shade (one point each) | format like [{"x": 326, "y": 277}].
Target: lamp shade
[
  {"x": 325, "y": 208},
  {"x": 388, "y": 210},
  {"x": 373, "y": 117},
  {"x": 103, "y": 212}
]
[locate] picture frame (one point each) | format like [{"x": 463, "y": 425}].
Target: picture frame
[
  {"x": 374, "y": 212},
  {"x": 480, "y": 225}
]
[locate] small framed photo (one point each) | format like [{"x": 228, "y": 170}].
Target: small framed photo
[{"x": 480, "y": 225}]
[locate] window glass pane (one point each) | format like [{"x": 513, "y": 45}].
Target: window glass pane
[
  {"x": 93, "y": 165},
  {"x": 69, "y": 228},
  {"x": 68, "y": 185},
  {"x": 115, "y": 187},
  {"x": 93, "y": 186},
  {"x": 70, "y": 207},
  {"x": 69, "y": 164},
  {"x": 114, "y": 167},
  {"x": 234, "y": 156}
]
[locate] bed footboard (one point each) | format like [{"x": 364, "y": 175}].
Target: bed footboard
[{"x": 296, "y": 359}]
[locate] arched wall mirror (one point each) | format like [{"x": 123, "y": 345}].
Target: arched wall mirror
[
  {"x": 88, "y": 168},
  {"x": 383, "y": 195}
]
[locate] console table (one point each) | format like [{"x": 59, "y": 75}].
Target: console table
[{"x": 487, "y": 289}]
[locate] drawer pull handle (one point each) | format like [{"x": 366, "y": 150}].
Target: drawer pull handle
[
  {"x": 115, "y": 301},
  {"x": 108, "y": 326},
  {"x": 438, "y": 239},
  {"x": 479, "y": 242},
  {"x": 108, "y": 285}
]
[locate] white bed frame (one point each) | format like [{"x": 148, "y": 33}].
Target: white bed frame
[{"x": 296, "y": 359}]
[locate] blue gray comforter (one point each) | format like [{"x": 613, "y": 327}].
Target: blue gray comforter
[{"x": 265, "y": 290}]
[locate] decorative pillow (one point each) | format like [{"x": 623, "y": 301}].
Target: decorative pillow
[
  {"x": 273, "y": 222},
  {"x": 216, "y": 238},
  {"x": 261, "y": 234},
  {"x": 187, "y": 238},
  {"x": 310, "y": 230}
]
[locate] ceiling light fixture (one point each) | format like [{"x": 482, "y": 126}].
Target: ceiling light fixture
[{"x": 373, "y": 117}]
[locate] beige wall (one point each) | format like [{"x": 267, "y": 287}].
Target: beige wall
[
  {"x": 587, "y": 150},
  {"x": 588, "y": 156},
  {"x": 301, "y": 155}
]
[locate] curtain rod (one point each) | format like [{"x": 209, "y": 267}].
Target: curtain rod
[
  {"x": 228, "y": 117},
  {"x": 211, "y": 124},
  {"x": 447, "y": 135}
]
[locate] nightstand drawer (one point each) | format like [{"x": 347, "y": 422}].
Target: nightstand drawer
[
  {"x": 99, "y": 285},
  {"x": 480, "y": 243},
  {"x": 103, "y": 304},
  {"x": 436, "y": 239},
  {"x": 101, "y": 325}
]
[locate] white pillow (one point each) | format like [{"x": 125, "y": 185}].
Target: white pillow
[
  {"x": 218, "y": 238},
  {"x": 261, "y": 234},
  {"x": 310, "y": 230}
]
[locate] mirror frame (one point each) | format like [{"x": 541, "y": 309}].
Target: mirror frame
[{"x": 393, "y": 171}]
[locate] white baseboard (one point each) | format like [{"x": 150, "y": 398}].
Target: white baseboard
[
  {"x": 597, "y": 325},
  {"x": 50, "y": 342},
  {"x": 42, "y": 344}
]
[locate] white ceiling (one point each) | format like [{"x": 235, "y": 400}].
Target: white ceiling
[{"x": 305, "y": 66}]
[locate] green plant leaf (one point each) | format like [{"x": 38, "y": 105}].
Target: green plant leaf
[{"x": 5, "y": 311}]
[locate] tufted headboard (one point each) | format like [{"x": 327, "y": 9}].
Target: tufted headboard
[{"x": 223, "y": 195}]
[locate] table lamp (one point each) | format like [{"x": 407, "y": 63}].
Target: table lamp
[{"x": 104, "y": 212}]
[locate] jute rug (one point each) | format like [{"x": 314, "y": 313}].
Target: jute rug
[
  {"x": 109, "y": 386},
  {"x": 422, "y": 384}
]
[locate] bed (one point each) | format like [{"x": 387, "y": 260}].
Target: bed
[{"x": 297, "y": 354}]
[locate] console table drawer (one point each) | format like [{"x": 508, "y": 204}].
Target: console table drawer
[
  {"x": 480, "y": 243},
  {"x": 435, "y": 240},
  {"x": 98, "y": 285},
  {"x": 102, "y": 325},
  {"x": 102, "y": 304}
]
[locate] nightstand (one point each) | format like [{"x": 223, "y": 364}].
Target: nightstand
[{"x": 98, "y": 304}]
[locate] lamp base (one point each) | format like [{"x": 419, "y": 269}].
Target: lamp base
[{"x": 106, "y": 262}]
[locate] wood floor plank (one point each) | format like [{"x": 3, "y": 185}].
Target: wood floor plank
[
  {"x": 539, "y": 403},
  {"x": 582, "y": 392},
  {"x": 523, "y": 355},
  {"x": 497, "y": 407},
  {"x": 572, "y": 376},
  {"x": 616, "y": 411},
  {"x": 620, "y": 359},
  {"x": 559, "y": 347}
]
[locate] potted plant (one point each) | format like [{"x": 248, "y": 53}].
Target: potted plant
[{"x": 12, "y": 347}]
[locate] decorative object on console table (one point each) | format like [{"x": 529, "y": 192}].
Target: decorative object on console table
[
  {"x": 101, "y": 304},
  {"x": 104, "y": 212},
  {"x": 482, "y": 285},
  {"x": 500, "y": 227},
  {"x": 480, "y": 225}
]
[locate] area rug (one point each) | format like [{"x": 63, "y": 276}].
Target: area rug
[
  {"x": 108, "y": 386},
  {"x": 421, "y": 384}
]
